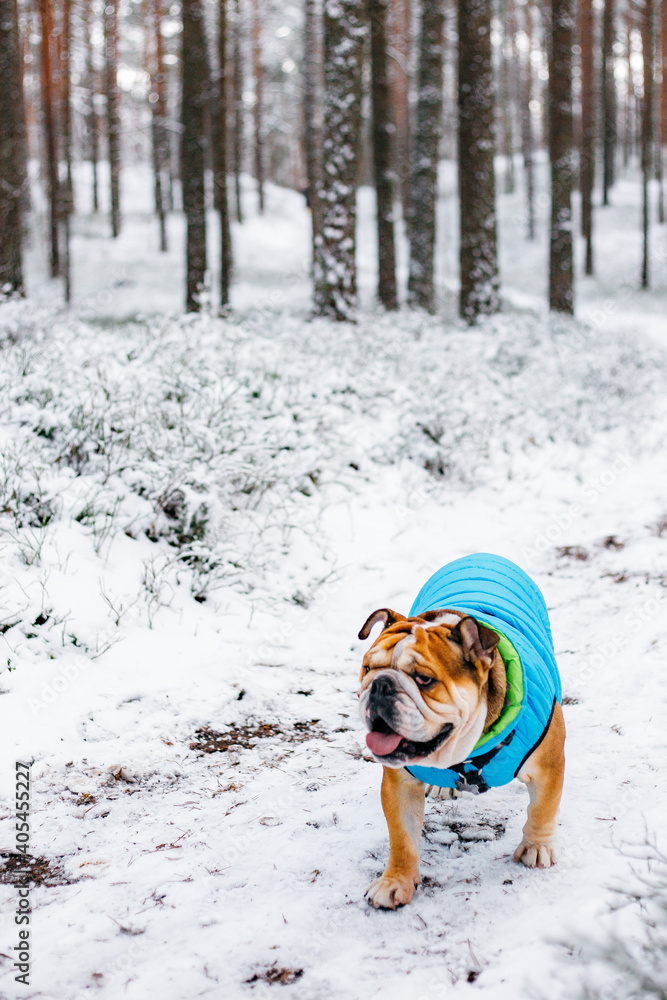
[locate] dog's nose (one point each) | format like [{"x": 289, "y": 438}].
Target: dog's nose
[
  {"x": 383, "y": 686},
  {"x": 382, "y": 695}
]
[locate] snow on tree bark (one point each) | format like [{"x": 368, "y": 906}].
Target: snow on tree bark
[
  {"x": 382, "y": 132},
  {"x": 258, "y": 107},
  {"x": 561, "y": 143},
  {"x": 220, "y": 158},
  {"x": 50, "y": 137},
  {"x": 646, "y": 30},
  {"x": 335, "y": 267},
  {"x": 661, "y": 138},
  {"x": 91, "y": 88},
  {"x": 609, "y": 129},
  {"x": 477, "y": 186},
  {"x": 507, "y": 56},
  {"x": 113, "y": 108},
  {"x": 194, "y": 98},
  {"x": 12, "y": 150},
  {"x": 238, "y": 110},
  {"x": 158, "y": 99},
  {"x": 311, "y": 94},
  {"x": 399, "y": 17},
  {"x": 588, "y": 129},
  {"x": 527, "y": 136},
  {"x": 67, "y": 189},
  {"x": 422, "y": 209}
]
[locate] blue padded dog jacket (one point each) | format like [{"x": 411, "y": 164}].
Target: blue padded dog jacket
[{"x": 498, "y": 593}]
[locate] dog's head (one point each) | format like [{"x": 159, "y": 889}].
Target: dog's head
[{"x": 425, "y": 695}]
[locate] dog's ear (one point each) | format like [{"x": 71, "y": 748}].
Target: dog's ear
[
  {"x": 477, "y": 641},
  {"x": 384, "y": 615}
]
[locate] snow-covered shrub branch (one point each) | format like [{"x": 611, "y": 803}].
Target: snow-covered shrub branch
[{"x": 627, "y": 958}]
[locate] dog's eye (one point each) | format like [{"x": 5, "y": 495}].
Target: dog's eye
[
  {"x": 365, "y": 670},
  {"x": 424, "y": 681}
]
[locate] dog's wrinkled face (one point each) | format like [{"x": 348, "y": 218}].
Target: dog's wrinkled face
[{"x": 423, "y": 686}]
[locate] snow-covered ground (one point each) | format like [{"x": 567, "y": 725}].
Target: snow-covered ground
[{"x": 198, "y": 514}]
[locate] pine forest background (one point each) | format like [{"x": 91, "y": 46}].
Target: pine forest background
[{"x": 323, "y": 97}]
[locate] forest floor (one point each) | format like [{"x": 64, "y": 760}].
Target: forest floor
[{"x": 197, "y": 516}]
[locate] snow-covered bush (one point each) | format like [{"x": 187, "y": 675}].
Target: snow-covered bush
[
  {"x": 222, "y": 441},
  {"x": 627, "y": 957}
]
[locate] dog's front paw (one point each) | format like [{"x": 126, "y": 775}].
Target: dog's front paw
[
  {"x": 388, "y": 892},
  {"x": 536, "y": 855}
]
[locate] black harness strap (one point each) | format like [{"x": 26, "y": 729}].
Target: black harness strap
[{"x": 472, "y": 781}]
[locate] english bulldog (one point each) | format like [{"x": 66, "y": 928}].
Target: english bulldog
[{"x": 444, "y": 710}]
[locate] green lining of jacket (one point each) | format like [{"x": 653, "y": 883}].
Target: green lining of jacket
[{"x": 515, "y": 689}]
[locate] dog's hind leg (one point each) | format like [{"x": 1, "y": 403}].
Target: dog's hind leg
[
  {"x": 403, "y": 806},
  {"x": 543, "y": 774}
]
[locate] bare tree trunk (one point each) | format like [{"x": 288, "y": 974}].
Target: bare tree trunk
[
  {"x": 561, "y": 276},
  {"x": 630, "y": 97},
  {"x": 608, "y": 99},
  {"x": 12, "y": 150},
  {"x": 311, "y": 96},
  {"x": 588, "y": 128},
  {"x": 450, "y": 83},
  {"x": 113, "y": 108},
  {"x": 220, "y": 159},
  {"x": 544, "y": 43},
  {"x": 91, "y": 114},
  {"x": 238, "y": 110},
  {"x": 335, "y": 266},
  {"x": 399, "y": 31},
  {"x": 507, "y": 57},
  {"x": 422, "y": 210},
  {"x": 50, "y": 137},
  {"x": 646, "y": 28},
  {"x": 67, "y": 189},
  {"x": 258, "y": 109},
  {"x": 158, "y": 101},
  {"x": 477, "y": 187},
  {"x": 527, "y": 136},
  {"x": 195, "y": 93},
  {"x": 663, "y": 108},
  {"x": 382, "y": 129}
]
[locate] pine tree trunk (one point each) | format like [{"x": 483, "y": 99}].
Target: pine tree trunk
[
  {"x": 67, "y": 189},
  {"x": 588, "y": 129},
  {"x": 507, "y": 56},
  {"x": 527, "y": 136},
  {"x": 399, "y": 31},
  {"x": 50, "y": 137},
  {"x": 663, "y": 108},
  {"x": 258, "y": 108},
  {"x": 311, "y": 95},
  {"x": 477, "y": 187},
  {"x": 160, "y": 144},
  {"x": 12, "y": 150},
  {"x": 382, "y": 130},
  {"x": 561, "y": 142},
  {"x": 608, "y": 99},
  {"x": 544, "y": 43},
  {"x": 113, "y": 109},
  {"x": 422, "y": 210},
  {"x": 629, "y": 136},
  {"x": 91, "y": 114},
  {"x": 26, "y": 116},
  {"x": 238, "y": 110},
  {"x": 335, "y": 267},
  {"x": 195, "y": 93},
  {"x": 646, "y": 27},
  {"x": 220, "y": 159}
]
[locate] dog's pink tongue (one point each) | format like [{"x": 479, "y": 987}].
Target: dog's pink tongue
[{"x": 382, "y": 743}]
